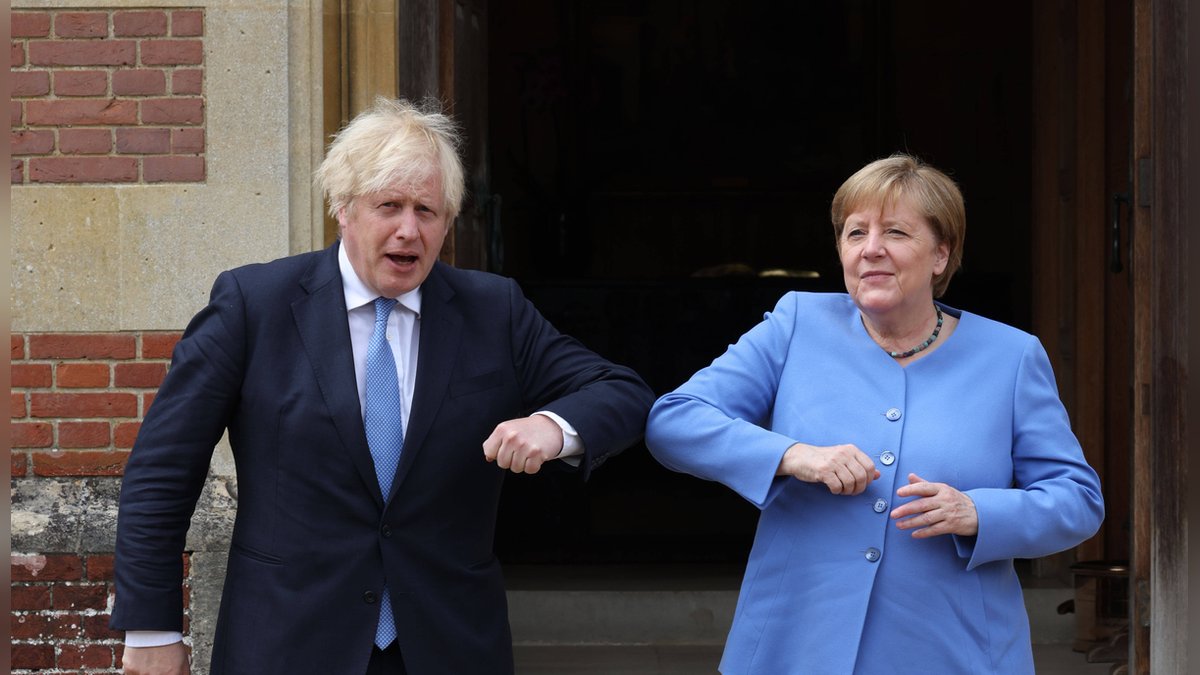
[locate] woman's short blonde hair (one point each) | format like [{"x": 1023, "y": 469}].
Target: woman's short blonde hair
[
  {"x": 394, "y": 142},
  {"x": 925, "y": 189}
]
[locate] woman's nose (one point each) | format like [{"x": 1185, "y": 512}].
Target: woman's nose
[{"x": 873, "y": 246}]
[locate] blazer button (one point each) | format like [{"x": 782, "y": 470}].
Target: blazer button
[
  {"x": 369, "y": 597},
  {"x": 888, "y": 458},
  {"x": 892, "y": 414},
  {"x": 386, "y": 531},
  {"x": 873, "y": 555},
  {"x": 880, "y": 505}
]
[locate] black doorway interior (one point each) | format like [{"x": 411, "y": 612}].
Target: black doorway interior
[{"x": 665, "y": 170}]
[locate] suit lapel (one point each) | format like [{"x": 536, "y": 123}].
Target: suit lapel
[
  {"x": 441, "y": 330},
  {"x": 321, "y": 321}
]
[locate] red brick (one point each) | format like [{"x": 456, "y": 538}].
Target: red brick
[
  {"x": 145, "y": 375},
  {"x": 16, "y": 404},
  {"x": 84, "y": 434},
  {"x": 30, "y": 24},
  {"x": 139, "y": 82},
  {"x": 154, "y": 345},
  {"x": 32, "y": 142},
  {"x": 79, "y": 463},
  {"x": 16, "y": 171},
  {"x": 185, "y": 82},
  {"x": 85, "y": 141},
  {"x": 81, "y": 112},
  {"x": 28, "y": 375},
  {"x": 95, "y": 627},
  {"x": 173, "y": 111},
  {"x": 17, "y": 343},
  {"x": 173, "y": 169},
  {"x": 84, "y": 596},
  {"x": 80, "y": 83},
  {"x": 110, "y": 404},
  {"x": 30, "y": 597},
  {"x": 172, "y": 52},
  {"x": 83, "y": 375},
  {"x": 125, "y": 434},
  {"x": 187, "y": 141},
  {"x": 16, "y": 55},
  {"x": 100, "y": 567},
  {"x": 81, "y": 24},
  {"x": 82, "y": 52},
  {"x": 16, "y": 116},
  {"x": 20, "y": 465},
  {"x": 147, "y": 399},
  {"x": 83, "y": 170},
  {"x": 32, "y": 435},
  {"x": 187, "y": 23},
  {"x": 30, "y": 83},
  {"x": 31, "y": 626},
  {"x": 82, "y": 346},
  {"x": 48, "y": 567},
  {"x": 143, "y": 141},
  {"x": 85, "y": 656},
  {"x": 32, "y": 657},
  {"x": 140, "y": 24}
]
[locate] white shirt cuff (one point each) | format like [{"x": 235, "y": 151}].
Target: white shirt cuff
[
  {"x": 151, "y": 638},
  {"x": 572, "y": 444}
]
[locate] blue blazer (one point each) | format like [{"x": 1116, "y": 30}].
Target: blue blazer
[
  {"x": 270, "y": 360},
  {"x": 832, "y": 586}
]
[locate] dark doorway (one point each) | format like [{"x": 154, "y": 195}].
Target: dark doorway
[{"x": 665, "y": 170}]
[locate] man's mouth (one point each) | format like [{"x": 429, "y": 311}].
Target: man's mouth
[{"x": 400, "y": 259}]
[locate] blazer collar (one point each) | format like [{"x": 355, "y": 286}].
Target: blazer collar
[
  {"x": 320, "y": 318},
  {"x": 441, "y": 332}
]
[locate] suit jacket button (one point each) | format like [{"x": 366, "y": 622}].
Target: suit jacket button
[
  {"x": 369, "y": 597},
  {"x": 888, "y": 458},
  {"x": 880, "y": 505},
  {"x": 873, "y": 555},
  {"x": 386, "y": 531},
  {"x": 892, "y": 414}
]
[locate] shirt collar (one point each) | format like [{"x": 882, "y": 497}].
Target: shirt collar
[{"x": 357, "y": 293}]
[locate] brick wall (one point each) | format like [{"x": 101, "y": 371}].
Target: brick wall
[
  {"x": 77, "y": 402},
  {"x": 107, "y": 96}
]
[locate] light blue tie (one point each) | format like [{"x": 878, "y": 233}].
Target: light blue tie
[{"x": 385, "y": 432}]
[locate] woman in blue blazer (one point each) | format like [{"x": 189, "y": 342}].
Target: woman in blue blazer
[{"x": 902, "y": 452}]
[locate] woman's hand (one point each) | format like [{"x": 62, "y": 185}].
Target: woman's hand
[
  {"x": 844, "y": 469},
  {"x": 941, "y": 510}
]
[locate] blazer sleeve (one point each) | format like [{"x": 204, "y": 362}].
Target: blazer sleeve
[
  {"x": 606, "y": 403},
  {"x": 168, "y": 466},
  {"x": 1055, "y": 501},
  {"x": 714, "y": 425}
]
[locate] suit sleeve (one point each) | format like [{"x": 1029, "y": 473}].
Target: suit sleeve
[
  {"x": 713, "y": 426},
  {"x": 169, "y": 462},
  {"x": 606, "y": 403},
  {"x": 1055, "y": 501}
]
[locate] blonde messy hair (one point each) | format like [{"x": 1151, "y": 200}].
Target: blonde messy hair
[
  {"x": 928, "y": 191},
  {"x": 394, "y": 142}
]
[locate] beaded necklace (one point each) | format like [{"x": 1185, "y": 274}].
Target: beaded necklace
[{"x": 921, "y": 347}]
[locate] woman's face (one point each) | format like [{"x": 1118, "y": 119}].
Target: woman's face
[{"x": 889, "y": 258}]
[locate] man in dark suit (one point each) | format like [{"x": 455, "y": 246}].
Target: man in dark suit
[{"x": 374, "y": 398}]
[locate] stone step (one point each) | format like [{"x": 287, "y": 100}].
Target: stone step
[{"x": 671, "y": 606}]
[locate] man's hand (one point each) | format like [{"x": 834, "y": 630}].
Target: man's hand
[
  {"x": 169, "y": 659},
  {"x": 844, "y": 469},
  {"x": 941, "y": 510},
  {"x": 523, "y": 445}
]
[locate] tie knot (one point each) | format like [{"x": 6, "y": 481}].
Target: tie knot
[{"x": 383, "y": 307}]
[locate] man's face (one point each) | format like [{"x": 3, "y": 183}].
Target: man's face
[{"x": 393, "y": 236}]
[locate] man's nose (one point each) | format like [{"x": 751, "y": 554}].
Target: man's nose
[{"x": 406, "y": 225}]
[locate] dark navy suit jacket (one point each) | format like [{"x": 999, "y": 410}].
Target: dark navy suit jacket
[{"x": 270, "y": 360}]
